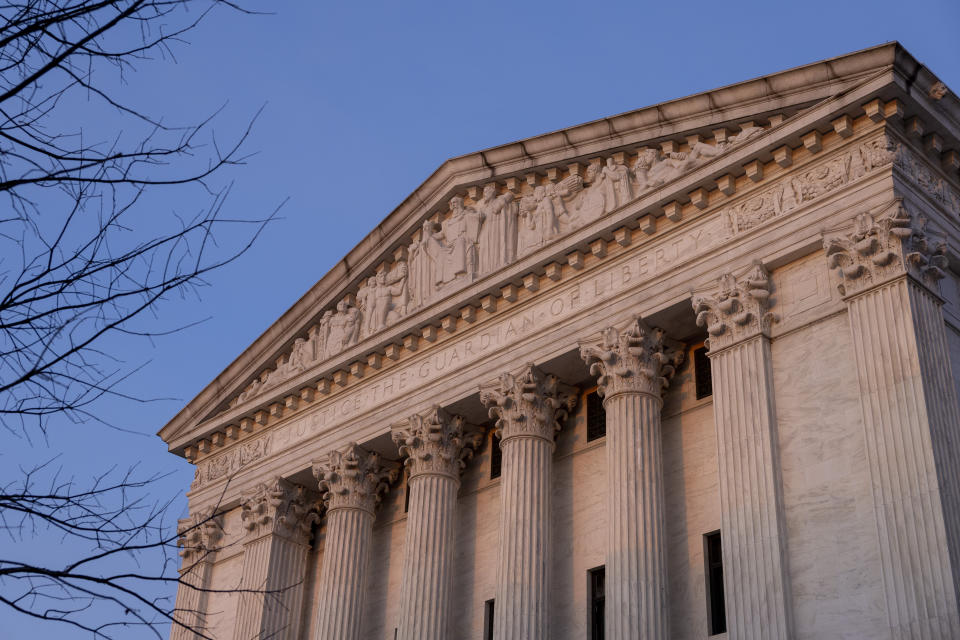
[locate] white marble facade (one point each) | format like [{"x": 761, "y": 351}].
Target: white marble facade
[{"x": 802, "y": 229}]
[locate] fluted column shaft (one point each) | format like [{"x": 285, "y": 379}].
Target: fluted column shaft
[
  {"x": 633, "y": 366},
  {"x": 529, "y": 407},
  {"x": 523, "y": 568},
  {"x": 635, "y": 588},
  {"x": 428, "y": 560},
  {"x": 436, "y": 446},
  {"x": 910, "y": 420},
  {"x": 271, "y": 589},
  {"x": 277, "y": 516},
  {"x": 343, "y": 574},
  {"x": 191, "y": 603},
  {"x": 353, "y": 481},
  {"x": 751, "y": 502}
]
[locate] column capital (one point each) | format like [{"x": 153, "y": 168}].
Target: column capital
[
  {"x": 436, "y": 442},
  {"x": 199, "y": 535},
  {"x": 878, "y": 247},
  {"x": 636, "y": 359},
  {"x": 278, "y": 508},
  {"x": 736, "y": 308},
  {"x": 530, "y": 403},
  {"x": 354, "y": 478}
]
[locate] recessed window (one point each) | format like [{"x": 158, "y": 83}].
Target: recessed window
[
  {"x": 596, "y": 417},
  {"x": 596, "y": 578},
  {"x": 488, "y": 620},
  {"x": 702, "y": 374},
  {"x": 496, "y": 456},
  {"x": 716, "y": 608}
]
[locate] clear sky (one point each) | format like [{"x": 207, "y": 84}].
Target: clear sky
[{"x": 364, "y": 100}]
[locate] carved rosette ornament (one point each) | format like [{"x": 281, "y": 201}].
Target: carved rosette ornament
[
  {"x": 738, "y": 309},
  {"x": 531, "y": 403},
  {"x": 437, "y": 443},
  {"x": 634, "y": 360},
  {"x": 279, "y": 508},
  {"x": 884, "y": 246},
  {"x": 198, "y": 535},
  {"x": 354, "y": 478}
]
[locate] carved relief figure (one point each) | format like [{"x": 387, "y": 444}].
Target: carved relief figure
[
  {"x": 344, "y": 328},
  {"x": 617, "y": 188},
  {"x": 388, "y": 301},
  {"x": 593, "y": 201},
  {"x": 498, "y": 234},
  {"x": 421, "y": 281}
]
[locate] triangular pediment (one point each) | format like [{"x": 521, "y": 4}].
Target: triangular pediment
[{"x": 484, "y": 221}]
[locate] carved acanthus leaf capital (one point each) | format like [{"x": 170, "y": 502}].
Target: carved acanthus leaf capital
[
  {"x": 199, "y": 535},
  {"x": 637, "y": 359},
  {"x": 738, "y": 308},
  {"x": 885, "y": 245},
  {"x": 437, "y": 442},
  {"x": 531, "y": 403},
  {"x": 279, "y": 508},
  {"x": 354, "y": 478}
]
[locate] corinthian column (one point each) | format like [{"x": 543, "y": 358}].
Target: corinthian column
[
  {"x": 353, "y": 481},
  {"x": 889, "y": 271},
  {"x": 277, "y": 517},
  {"x": 437, "y": 446},
  {"x": 528, "y": 408},
  {"x": 634, "y": 366},
  {"x": 199, "y": 536},
  {"x": 756, "y": 588}
]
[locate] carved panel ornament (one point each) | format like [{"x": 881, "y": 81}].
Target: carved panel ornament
[
  {"x": 199, "y": 535},
  {"x": 531, "y": 403},
  {"x": 883, "y": 246},
  {"x": 811, "y": 184},
  {"x": 354, "y": 478},
  {"x": 738, "y": 308},
  {"x": 437, "y": 442},
  {"x": 279, "y": 508},
  {"x": 231, "y": 461},
  {"x": 477, "y": 237},
  {"x": 637, "y": 359}
]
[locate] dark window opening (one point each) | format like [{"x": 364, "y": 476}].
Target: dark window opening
[
  {"x": 716, "y": 608},
  {"x": 597, "y": 578},
  {"x": 596, "y": 417},
  {"x": 488, "y": 620},
  {"x": 496, "y": 456},
  {"x": 702, "y": 374}
]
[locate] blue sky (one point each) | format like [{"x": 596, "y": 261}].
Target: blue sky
[{"x": 363, "y": 101}]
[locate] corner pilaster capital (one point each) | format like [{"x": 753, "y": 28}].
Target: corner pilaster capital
[
  {"x": 635, "y": 359},
  {"x": 354, "y": 478},
  {"x": 279, "y": 508},
  {"x": 878, "y": 247},
  {"x": 530, "y": 403},
  {"x": 436, "y": 442},
  {"x": 199, "y": 535},
  {"x": 736, "y": 308}
]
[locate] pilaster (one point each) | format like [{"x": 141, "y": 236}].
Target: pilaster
[
  {"x": 888, "y": 267},
  {"x": 633, "y": 367},
  {"x": 436, "y": 446},
  {"x": 198, "y": 539},
  {"x": 528, "y": 407},
  {"x": 352, "y": 482},
  {"x": 277, "y": 517},
  {"x": 736, "y": 313}
]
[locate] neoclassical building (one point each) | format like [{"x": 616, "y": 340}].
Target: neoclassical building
[{"x": 685, "y": 372}]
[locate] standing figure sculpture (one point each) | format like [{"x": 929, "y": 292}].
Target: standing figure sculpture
[
  {"x": 498, "y": 234},
  {"x": 344, "y": 328},
  {"x": 617, "y": 188}
]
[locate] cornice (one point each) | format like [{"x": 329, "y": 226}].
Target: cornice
[{"x": 627, "y": 129}]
